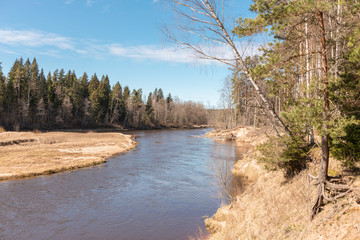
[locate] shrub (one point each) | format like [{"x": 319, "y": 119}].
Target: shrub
[
  {"x": 347, "y": 147},
  {"x": 285, "y": 153}
]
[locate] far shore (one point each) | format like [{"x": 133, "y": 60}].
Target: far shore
[{"x": 28, "y": 154}]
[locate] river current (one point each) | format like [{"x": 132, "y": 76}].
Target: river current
[{"x": 160, "y": 190}]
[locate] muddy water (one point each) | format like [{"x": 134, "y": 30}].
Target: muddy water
[{"x": 160, "y": 190}]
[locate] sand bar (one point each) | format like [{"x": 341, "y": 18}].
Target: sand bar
[{"x": 27, "y": 154}]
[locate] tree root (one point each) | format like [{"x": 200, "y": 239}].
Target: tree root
[{"x": 328, "y": 191}]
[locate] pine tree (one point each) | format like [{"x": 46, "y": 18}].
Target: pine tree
[
  {"x": 84, "y": 85},
  {"x": 149, "y": 110},
  {"x": 3, "y": 96},
  {"x": 93, "y": 84},
  {"x": 115, "y": 108}
]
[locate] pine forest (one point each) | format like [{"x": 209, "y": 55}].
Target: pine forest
[{"x": 30, "y": 100}]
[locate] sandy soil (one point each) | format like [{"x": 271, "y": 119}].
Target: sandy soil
[
  {"x": 26, "y": 154},
  {"x": 241, "y": 135},
  {"x": 272, "y": 207}
]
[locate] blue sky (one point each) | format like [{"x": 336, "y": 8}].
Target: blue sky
[{"x": 121, "y": 38}]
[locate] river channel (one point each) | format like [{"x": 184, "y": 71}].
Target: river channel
[{"x": 160, "y": 190}]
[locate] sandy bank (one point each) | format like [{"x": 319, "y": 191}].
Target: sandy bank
[
  {"x": 26, "y": 154},
  {"x": 273, "y": 207},
  {"x": 248, "y": 135}
]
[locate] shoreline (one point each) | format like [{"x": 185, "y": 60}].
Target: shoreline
[
  {"x": 270, "y": 206},
  {"x": 30, "y": 154}
]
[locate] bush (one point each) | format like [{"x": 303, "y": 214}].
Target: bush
[
  {"x": 347, "y": 148},
  {"x": 285, "y": 153}
]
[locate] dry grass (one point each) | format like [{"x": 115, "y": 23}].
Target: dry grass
[
  {"x": 26, "y": 154},
  {"x": 272, "y": 207},
  {"x": 241, "y": 135}
]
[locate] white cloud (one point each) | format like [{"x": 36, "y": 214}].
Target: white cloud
[
  {"x": 38, "y": 42},
  {"x": 34, "y": 39},
  {"x": 151, "y": 52}
]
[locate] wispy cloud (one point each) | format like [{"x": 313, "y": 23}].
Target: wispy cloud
[
  {"x": 43, "y": 43},
  {"x": 34, "y": 39},
  {"x": 151, "y": 52}
]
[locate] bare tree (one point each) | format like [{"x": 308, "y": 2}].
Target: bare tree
[
  {"x": 205, "y": 21},
  {"x": 227, "y": 104}
]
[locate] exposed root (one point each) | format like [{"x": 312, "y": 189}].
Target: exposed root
[{"x": 328, "y": 191}]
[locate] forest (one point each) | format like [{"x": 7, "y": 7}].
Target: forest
[{"x": 30, "y": 100}]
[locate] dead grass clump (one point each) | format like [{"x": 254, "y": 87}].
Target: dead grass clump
[{"x": 2, "y": 129}]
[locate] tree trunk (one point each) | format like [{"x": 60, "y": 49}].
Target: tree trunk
[
  {"x": 307, "y": 76},
  {"x": 324, "y": 163},
  {"x": 326, "y": 107}
]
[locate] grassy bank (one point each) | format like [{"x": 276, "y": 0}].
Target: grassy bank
[
  {"x": 274, "y": 207},
  {"x": 26, "y": 154}
]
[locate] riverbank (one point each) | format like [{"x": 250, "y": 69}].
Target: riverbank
[
  {"x": 273, "y": 207},
  {"x": 27, "y": 154}
]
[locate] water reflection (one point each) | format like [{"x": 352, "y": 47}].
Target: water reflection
[{"x": 223, "y": 158}]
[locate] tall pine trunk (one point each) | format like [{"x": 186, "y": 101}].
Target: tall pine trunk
[
  {"x": 324, "y": 165},
  {"x": 307, "y": 76}
]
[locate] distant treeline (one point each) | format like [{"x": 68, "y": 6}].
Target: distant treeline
[{"x": 31, "y": 100}]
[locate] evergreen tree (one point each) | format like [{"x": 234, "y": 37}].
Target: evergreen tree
[
  {"x": 126, "y": 93},
  {"x": 160, "y": 95},
  {"x": 93, "y": 84},
  {"x": 116, "y": 99},
  {"x": 84, "y": 84},
  {"x": 3, "y": 96},
  {"x": 149, "y": 110}
]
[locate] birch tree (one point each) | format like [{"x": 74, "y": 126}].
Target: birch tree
[{"x": 205, "y": 21}]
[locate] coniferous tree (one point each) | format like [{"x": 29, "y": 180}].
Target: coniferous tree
[
  {"x": 116, "y": 99},
  {"x": 93, "y": 84},
  {"x": 3, "y": 96},
  {"x": 149, "y": 110}
]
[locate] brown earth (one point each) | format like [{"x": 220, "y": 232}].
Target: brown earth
[
  {"x": 26, "y": 154},
  {"x": 273, "y": 207}
]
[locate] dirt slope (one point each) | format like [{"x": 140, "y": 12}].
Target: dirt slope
[{"x": 272, "y": 207}]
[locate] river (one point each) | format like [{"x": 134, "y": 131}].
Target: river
[{"x": 160, "y": 190}]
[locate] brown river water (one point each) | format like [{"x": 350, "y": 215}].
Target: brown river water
[{"x": 160, "y": 190}]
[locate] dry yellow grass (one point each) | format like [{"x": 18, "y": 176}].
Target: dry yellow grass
[
  {"x": 26, "y": 154},
  {"x": 241, "y": 135},
  {"x": 272, "y": 207}
]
